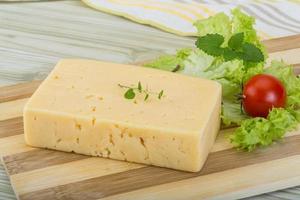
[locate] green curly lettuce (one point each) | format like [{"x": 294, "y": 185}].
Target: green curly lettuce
[
  {"x": 258, "y": 131},
  {"x": 219, "y": 23},
  {"x": 291, "y": 82},
  {"x": 170, "y": 62}
]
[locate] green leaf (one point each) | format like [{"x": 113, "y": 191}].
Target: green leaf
[
  {"x": 251, "y": 134},
  {"x": 140, "y": 86},
  {"x": 160, "y": 94},
  {"x": 165, "y": 62},
  {"x": 291, "y": 82},
  {"x": 230, "y": 54},
  {"x": 146, "y": 97},
  {"x": 183, "y": 53},
  {"x": 129, "y": 94},
  {"x": 211, "y": 44},
  {"x": 197, "y": 64},
  {"x": 236, "y": 41},
  {"x": 219, "y": 23},
  {"x": 256, "y": 132},
  {"x": 231, "y": 113},
  {"x": 170, "y": 62},
  {"x": 251, "y": 53}
]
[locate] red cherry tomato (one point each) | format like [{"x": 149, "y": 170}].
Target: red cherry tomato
[{"x": 261, "y": 93}]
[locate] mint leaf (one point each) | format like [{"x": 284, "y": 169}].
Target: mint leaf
[
  {"x": 211, "y": 44},
  {"x": 251, "y": 53},
  {"x": 229, "y": 54},
  {"x": 129, "y": 94},
  {"x": 236, "y": 41}
]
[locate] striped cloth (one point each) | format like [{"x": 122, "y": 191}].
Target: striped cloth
[{"x": 274, "y": 18}]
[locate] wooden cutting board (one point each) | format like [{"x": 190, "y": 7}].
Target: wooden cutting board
[{"x": 227, "y": 174}]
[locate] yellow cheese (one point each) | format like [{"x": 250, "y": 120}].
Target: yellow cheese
[{"x": 81, "y": 108}]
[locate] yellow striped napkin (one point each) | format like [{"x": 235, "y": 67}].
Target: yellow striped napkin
[{"x": 273, "y": 18}]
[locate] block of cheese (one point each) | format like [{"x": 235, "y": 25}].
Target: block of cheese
[{"x": 81, "y": 108}]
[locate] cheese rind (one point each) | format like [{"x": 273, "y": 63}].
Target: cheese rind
[{"x": 80, "y": 108}]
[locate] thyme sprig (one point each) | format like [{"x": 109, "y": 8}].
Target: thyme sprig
[{"x": 133, "y": 90}]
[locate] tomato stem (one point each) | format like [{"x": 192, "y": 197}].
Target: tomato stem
[{"x": 240, "y": 96}]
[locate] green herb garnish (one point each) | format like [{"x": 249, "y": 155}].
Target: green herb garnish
[
  {"x": 131, "y": 91},
  {"x": 160, "y": 94},
  {"x": 236, "y": 41},
  {"x": 146, "y": 97},
  {"x": 251, "y": 53},
  {"x": 129, "y": 94},
  {"x": 236, "y": 49},
  {"x": 140, "y": 86},
  {"x": 211, "y": 44}
]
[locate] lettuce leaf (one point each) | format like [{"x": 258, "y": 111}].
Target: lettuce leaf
[
  {"x": 205, "y": 66},
  {"x": 256, "y": 132},
  {"x": 291, "y": 82},
  {"x": 219, "y": 23},
  {"x": 170, "y": 62},
  {"x": 232, "y": 113},
  {"x": 165, "y": 62},
  {"x": 197, "y": 64}
]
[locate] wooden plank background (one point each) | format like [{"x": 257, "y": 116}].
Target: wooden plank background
[{"x": 45, "y": 174}]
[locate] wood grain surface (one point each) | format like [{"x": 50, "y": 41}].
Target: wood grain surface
[
  {"x": 227, "y": 174},
  {"x": 35, "y": 35},
  {"x": 18, "y": 91}
]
